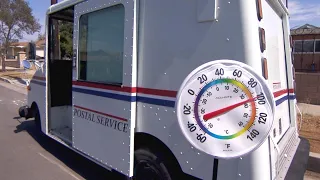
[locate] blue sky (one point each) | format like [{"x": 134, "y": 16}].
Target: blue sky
[
  {"x": 304, "y": 11},
  {"x": 301, "y": 12},
  {"x": 39, "y": 8}
]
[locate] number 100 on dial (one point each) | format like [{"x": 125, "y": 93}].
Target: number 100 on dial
[{"x": 225, "y": 109}]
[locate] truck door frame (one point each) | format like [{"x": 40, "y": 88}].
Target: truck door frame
[{"x": 129, "y": 76}]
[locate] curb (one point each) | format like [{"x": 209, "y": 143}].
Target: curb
[
  {"x": 6, "y": 80},
  {"x": 6, "y": 84},
  {"x": 314, "y": 162}
]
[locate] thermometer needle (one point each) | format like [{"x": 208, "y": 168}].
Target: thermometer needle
[{"x": 210, "y": 115}]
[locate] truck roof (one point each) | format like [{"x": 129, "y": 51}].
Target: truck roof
[{"x": 61, "y": 5}]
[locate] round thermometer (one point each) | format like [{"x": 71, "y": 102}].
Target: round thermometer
[{"x": 225, "y": 109}]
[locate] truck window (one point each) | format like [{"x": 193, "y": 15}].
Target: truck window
[
  {"x": 60, "y": 35},
  {"x": 101, "y": 41}
]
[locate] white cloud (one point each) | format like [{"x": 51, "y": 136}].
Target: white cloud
[{"x": 303, "y": 11}]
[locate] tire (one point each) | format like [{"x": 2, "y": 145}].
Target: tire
[
  {"x": 37, "y": 118},
  {"x": 148, "y": 165},
  {"x": 22, "y": 111}
]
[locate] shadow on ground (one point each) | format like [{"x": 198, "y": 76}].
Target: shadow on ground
[
  {"x": 21, "y": 81},
  {"x": 9, "y": 70},
  {"x": 84, "y": 167}
]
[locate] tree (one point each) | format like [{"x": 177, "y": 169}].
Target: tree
[
  {"x": 41, "y": 36},
  {"x": 66, "y": 31},
  {"x": 16, "y": 18}
]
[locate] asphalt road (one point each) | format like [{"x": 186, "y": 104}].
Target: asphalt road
[{"x": 27, "y": 154}]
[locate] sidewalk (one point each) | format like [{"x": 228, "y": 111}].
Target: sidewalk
[
  {"x": 14, "y": 87},
  {"x": 309, "y": 109},
  {"x": 16, "y": 76}
]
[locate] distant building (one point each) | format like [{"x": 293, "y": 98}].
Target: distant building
[
  {"x": 40, "y": 46},
  {"x": 306, "y": 53},
  {"x": 18, "y": 47}
]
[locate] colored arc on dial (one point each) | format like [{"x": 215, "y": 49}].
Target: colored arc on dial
[{"x": 244, "y": 89}]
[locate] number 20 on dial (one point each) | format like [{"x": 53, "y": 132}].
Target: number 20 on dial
[{"x": 225, "y": 109}]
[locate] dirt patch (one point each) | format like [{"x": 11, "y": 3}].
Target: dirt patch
[
  {"x": 310, "y": 129},
  {"x": 17, "y": 73},
  {"x": 8, "y": 72},
  {"x": 21, "y": 75},
  {"x": 309, "y": 175}
]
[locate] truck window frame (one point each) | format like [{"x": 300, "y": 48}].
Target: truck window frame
[{"x": 84, "y": 78}]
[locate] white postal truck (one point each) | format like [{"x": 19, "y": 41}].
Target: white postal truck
[{"x": 172, "y": 89}]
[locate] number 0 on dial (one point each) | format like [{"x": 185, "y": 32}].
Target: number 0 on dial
[{"x": 225, "y": 109}]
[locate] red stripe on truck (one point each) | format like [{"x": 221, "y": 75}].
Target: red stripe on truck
[
  {"x": 102, "y": 113},
  {"x": 282, "y": 92},
  {"x": 157, "y": 92},
  {"x": 150, "y": 91}
]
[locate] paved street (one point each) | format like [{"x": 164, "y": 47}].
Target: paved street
[{"x": 27, "y": 154}]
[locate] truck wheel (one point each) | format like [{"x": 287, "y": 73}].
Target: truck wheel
[
  {"x": 37, "y": 118},
  {"x": 22, "y": 111},
  {"x": 149, "y": 165}
]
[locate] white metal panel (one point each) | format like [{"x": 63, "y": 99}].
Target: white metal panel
[
  {"x": 278, "y": 30},
  {"x": 290, "y": 70},
  {"x": 38, "y": 95},
  {"x": 251, "y": 167},
  {"x": 278, "y": 6},
  {"x": 108, "y": 141},
  {"x": 172, "y": 45},
  {"x": 133, "y": 83},
  {"x": 257, "y": 164},
  {"x": 275, "y": 54},
  {"x": 288, "y": 148},
  {"x": 207, "y": 10}
]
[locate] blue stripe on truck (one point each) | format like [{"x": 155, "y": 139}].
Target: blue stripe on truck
[
  {"x": 284, "y": 98},
  {"x": 148, "y": 100}
]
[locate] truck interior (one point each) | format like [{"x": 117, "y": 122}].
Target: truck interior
[{"x": 60, "y": 67}]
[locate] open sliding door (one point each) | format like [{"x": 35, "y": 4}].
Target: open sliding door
[{"x": 104, "y": 83}]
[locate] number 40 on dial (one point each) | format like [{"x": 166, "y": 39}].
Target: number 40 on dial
[{"x": 225, "y": 108}]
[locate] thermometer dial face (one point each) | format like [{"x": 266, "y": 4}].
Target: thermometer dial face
[{"x": 225, "y": 109}]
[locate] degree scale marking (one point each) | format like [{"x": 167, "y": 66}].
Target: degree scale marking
[
  {"x": 245, "y": 90},
  {"x": 218, "y": 112}
]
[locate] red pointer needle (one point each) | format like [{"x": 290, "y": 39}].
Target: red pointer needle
[{"x": 210, "y": 115}]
